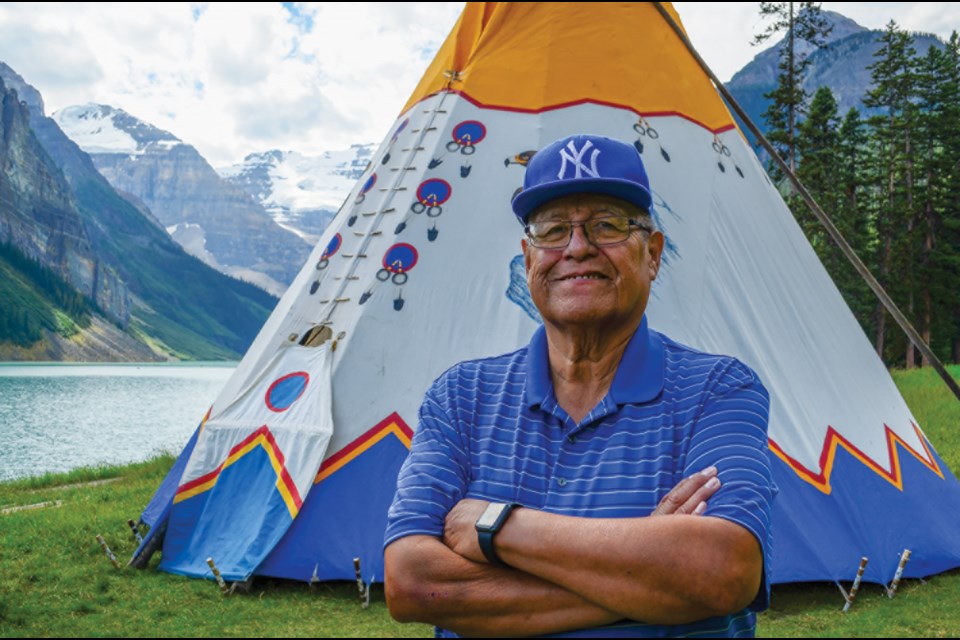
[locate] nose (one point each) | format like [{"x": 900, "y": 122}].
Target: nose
[{"x": 580, "y": 246}]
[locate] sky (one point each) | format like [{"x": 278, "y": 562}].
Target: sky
[{"x": 233, "y": 79}]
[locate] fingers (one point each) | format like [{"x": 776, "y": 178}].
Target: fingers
[{"x": 690, "y": 495}]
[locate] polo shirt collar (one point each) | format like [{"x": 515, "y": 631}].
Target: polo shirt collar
[{"x": 639, "y": 376}]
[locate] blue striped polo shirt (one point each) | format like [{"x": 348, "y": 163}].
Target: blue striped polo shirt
[{"x": 491, "y": 429}]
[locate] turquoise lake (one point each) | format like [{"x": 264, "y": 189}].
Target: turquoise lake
[{"x": 56, "y": 417}]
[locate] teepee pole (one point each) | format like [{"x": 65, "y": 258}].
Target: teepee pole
[
  {"x": 106, "y": 550},
  {"x": 892, "y": 589},
  {"x": 224, "y": 589},
  {"x": 821, "y": 215}
]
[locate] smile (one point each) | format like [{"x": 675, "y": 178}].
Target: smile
[{"x": 591, "y": 276}]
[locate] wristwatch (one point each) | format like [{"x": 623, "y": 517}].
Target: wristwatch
[{"x": 489, "y": 524}]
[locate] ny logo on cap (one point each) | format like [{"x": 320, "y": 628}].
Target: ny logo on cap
[{"x": 575, "y": 158}]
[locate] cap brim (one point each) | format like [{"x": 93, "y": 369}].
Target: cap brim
[{"x": 527, "y": 201}]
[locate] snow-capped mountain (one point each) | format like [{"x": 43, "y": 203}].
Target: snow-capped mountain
[
  {"x": 100, "y": 128},
  {"x": 301, "y": 193},
  {"x": 211, "y": 218}
]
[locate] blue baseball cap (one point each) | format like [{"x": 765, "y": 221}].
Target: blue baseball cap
[{"x": 583, "y": 164}]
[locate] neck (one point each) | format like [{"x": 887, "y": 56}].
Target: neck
[{"x": 583, "y": 363}]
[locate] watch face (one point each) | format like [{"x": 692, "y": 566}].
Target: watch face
[{"x": 490, "y": 516}]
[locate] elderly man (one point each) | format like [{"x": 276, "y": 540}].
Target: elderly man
[{"x": 604, "y": 479}]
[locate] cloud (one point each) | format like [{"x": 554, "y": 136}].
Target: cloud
[
  {"x": 45, "y": 52},
  {"x": 232, "y": 78},
  {"x": 292, "y": 123},
  {"x": 242, "y": 45},
  {"x": 931, "y": 17},
  {"x": 235, "y": 78},
  {"x": 725, "y": 45}
]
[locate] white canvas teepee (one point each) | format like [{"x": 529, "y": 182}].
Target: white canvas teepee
[{"x": 292, "y": 472}]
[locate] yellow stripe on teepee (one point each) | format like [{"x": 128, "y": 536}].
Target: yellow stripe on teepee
[
  {"x": 552, "y": 55},
  {"x": 392, "y": 428},
  {"x": 260, "y": 441}
]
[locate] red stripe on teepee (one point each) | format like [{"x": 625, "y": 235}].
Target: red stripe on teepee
[
  {"x": 833, "y": 439},
  {"x": 574, "y": 103}
]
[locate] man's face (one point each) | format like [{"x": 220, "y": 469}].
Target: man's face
[{"x": 583, "y": 284}]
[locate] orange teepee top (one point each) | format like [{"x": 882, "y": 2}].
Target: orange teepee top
[{"x": 542, "y": 55}]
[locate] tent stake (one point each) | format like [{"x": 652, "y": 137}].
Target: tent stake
[
  {"x": 818, "y": 212},
  {"x": 106, "y": 550},
  {"x": 136, "y": 532},
  {"x": 362, "y": 587},
  {"x": 853, "y": 588},
  {"x": 224, "y": 589},
  {"x": 892, "y": 589}
]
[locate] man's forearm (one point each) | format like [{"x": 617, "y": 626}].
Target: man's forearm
[
  {"x": 665, "y": 570},
  {"x": 427, "y": 582}
]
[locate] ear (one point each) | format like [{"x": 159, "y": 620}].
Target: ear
[
  {"x": 526, "y": 253},
  {"x": 654, "y": 248}
]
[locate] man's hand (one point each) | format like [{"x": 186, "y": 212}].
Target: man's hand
[
  {"x": 459, "y": 529},
  {"x": 690, "y": 495}
]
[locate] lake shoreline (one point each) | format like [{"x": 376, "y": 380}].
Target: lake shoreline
[{"x": 59, "y": 416}]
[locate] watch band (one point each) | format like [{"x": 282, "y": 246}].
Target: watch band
[
  {"x": 485, "y": 538},
  {"x": 489, "y": 525}
]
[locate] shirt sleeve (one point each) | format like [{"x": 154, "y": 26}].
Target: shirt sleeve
[
  {"x": 435, "y": 474},
  {"x": 730, "y": 433}
]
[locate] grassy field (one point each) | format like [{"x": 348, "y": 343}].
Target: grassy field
[{"x": 55, "y": 580}]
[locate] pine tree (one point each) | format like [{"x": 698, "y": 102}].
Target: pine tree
[
  {"x": 892, "y": 140},
  {"x": 852, "y": 213},
  {"x": 949, "y": 257},
  {"x": 939, "y": 102},
  {"x": 830, "y": 153},
  {"x": 817, "y": 145},
  {"x": 805, "y": 28}
]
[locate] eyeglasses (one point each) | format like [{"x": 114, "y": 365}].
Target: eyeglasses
[{"x": 600, "y": 232}]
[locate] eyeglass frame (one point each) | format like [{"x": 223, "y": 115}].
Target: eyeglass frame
[{"x": 632, "y": 222}]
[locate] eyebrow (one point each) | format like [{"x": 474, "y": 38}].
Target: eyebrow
[{"x": 554, "y": 215}]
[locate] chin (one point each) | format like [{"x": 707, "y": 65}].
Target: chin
[{"x": 581, "y": 317}]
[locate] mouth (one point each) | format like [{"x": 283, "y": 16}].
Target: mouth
[{"x": 582, "y": 276}]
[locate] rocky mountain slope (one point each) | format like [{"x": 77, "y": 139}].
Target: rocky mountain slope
[
  {"x": 841, "y": 64},
  {"x": 212, "y": 219},
  {"x": 58, "y": 210},
  {"x": 39, "y": 216}
]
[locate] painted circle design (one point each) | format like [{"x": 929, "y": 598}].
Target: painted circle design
[
  {"x": 286, "y": 390},
  {"x": 400, "y": 258},
  {"x": 469, "y": 132},
  {"x": 332, "y": 247},
  {"x": 372, "y": 180},
  {"x": 434, "y": 192}
]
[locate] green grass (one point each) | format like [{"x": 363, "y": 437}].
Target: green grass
[
  {"x": 55, "y": 580},
  {"x": 919, "y": 609}
]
